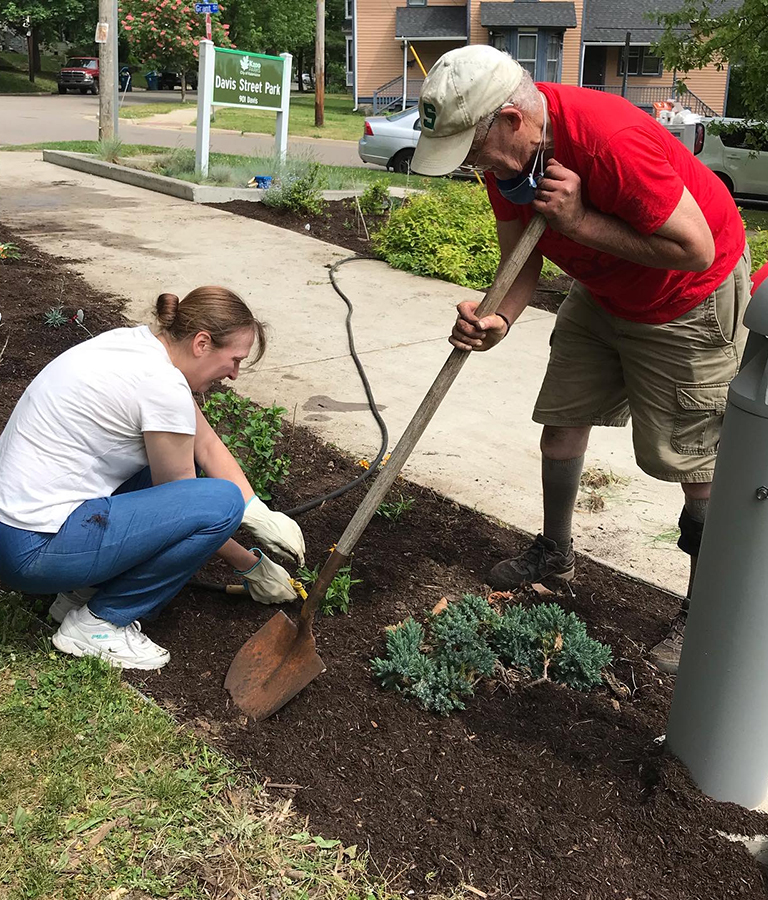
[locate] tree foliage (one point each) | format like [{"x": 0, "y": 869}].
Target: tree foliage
[
  {"x": 168, "y": 33},
  {"x": 721, "y": 33}
]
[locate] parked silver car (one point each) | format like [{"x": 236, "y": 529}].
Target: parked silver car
[{"x": 389, "y": 141}]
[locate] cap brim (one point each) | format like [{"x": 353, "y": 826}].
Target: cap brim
[{"x": 441, "y": 155}]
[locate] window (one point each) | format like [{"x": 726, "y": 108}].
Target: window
[
  {"x": 348, "y": 9},
  {"x": 527, "y": 44},
  {"x": 641, "y": 62},
  {"x": 554, "y": 50},
  {"x": 499, "y": 40},
  {"x": 417, "y": 2},
  {"x": 350, "y": 61}
]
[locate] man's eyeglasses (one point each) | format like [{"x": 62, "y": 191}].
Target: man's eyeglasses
[{"x": 481, "y": 136}]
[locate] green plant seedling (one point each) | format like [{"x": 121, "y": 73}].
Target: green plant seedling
[
  {"x": 250, "y": 433},
  {"x": 55, "y": 318},
  {"x": 337, "y": 596},
  {"x": 9, "y": 253},
  {"x": 394, "y": 510}
]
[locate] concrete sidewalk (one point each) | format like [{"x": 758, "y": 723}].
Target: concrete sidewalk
[{"x": 481, "y": 448}]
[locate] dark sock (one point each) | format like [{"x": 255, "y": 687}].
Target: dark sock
[
  {"x": 697, "y": 510},
  {"x": 560, "y": 481}
]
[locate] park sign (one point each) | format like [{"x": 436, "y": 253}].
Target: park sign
[
  {"x": 236, "y": 78},
  {"x": 252, "y": 80}
]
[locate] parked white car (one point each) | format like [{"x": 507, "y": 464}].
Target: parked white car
[
  {"x": 741, "y": 166},
  {"x": 389, "y": 141}
]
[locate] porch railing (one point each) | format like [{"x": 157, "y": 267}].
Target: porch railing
[
  {"x": 389, "y": 97},
  {"x": 646, "y": 96}
]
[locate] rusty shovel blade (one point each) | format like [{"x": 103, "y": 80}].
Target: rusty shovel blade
[{"x": 272, "y": 666}]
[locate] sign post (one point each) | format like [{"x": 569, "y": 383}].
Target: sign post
[
  {"x": 204, "y": 97},
  {"x": 246, "y": 80}
]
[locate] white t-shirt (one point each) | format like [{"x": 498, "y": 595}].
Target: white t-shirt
[{"x": 76, "y": 434}]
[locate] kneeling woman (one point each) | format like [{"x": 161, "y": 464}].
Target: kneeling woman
[{"x": 99, "y": 498}]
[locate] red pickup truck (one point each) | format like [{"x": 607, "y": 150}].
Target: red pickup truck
[{"x": 81, "y": 73}]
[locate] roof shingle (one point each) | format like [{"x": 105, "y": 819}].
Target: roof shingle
[{"x": 431, "y": 22}]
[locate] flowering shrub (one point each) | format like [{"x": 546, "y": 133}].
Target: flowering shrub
[{"x": 168, "y": 33}]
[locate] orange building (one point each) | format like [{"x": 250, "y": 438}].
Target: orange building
[{"x": 583, "y": 42}]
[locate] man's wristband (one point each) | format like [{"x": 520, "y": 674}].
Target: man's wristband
[{"x": 509, "y": 324}]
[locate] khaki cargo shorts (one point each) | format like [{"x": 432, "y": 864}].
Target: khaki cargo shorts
[{"x": 672, "y": 379}]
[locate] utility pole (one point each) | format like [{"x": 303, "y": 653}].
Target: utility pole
[
  {"x": 30, "y": 49},
  {"x": 626, "y": 64},
  {"x": 107, "y": 69},
  {"x": 319, "y": 65}
]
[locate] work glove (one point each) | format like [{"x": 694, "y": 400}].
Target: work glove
[
  {"x": 268, "y": 582},
  {"x": 274, "y": 531}
]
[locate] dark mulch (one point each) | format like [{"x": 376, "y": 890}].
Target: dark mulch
[
  {"x": 341, "y": 225},
  {"x": 534, "y": 792}
]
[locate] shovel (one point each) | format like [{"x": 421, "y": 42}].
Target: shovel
[{"x": 281, "y": 659}]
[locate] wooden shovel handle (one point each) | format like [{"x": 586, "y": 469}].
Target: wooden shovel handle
[{"x": 451, "y": 368}]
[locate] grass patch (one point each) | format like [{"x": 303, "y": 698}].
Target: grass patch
[
  {"x": 666, "y": 537},
  {"x": 103, "y": 795},
  {"x": 754, "y": 219},
  {"x": 14, "y": 74},
  {"x": 230, "y": 169},
  {"x": 84, "y": 147},
  {"x": 145, "y": 110},
  {"x": 341, "y": 122}
]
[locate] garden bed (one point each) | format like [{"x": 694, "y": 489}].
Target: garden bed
[{"x": 534, "y": 791}]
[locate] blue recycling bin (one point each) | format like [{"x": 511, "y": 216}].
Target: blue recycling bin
[{"x": 152, "y": 81}]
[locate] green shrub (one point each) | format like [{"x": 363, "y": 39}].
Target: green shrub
[
  {"x": 440, "y": 666},
  {"x": 337, "y": 595},
  {"x": 375, "y": 198},
  {"x": 302, "y": 193},
  {"x": 250, "y": 433},
  {"x": 758, "y": 246},
  {"x": 447, "y": 232}
]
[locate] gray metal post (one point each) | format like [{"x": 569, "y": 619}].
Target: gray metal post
[{"x": 718, "y": 725}]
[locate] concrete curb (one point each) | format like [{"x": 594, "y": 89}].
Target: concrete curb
[{"x": 175, "y": 187}]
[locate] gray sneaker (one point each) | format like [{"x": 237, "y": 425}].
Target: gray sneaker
[
  {"x": 542, "y": 559},
  {"x": 666, "y": 654}
]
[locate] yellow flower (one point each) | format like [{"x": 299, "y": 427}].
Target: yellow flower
[{"x": 364, "y": 464}]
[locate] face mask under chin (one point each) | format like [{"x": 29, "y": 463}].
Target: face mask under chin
[{"x": 520, "y": 190}]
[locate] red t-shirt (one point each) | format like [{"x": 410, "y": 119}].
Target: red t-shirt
[
  {"x": 759, "y": 277},
  {"x": 632, "y": 168}
]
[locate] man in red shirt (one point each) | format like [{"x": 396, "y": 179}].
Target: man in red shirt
[{"x": 656, "y": 247}]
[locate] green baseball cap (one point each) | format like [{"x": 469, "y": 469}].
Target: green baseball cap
[{"x": 463, "y": 87}]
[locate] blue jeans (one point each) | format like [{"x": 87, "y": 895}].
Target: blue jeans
[{"x": 139, "y": 547}]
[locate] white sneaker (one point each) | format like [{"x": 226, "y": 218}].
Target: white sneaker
[
  {"x": 68, "y": 600},
  {"x": 83, "y": 634}
]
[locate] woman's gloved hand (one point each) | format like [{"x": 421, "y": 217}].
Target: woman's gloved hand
[
  {"x": 274, "y": 531},
  {"x": 268, "y": 582}
]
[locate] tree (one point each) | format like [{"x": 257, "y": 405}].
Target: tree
[
  {"x": 46, "y": 19},
  {"x": 721, "y": 33},
  {"x": 168, "y": 34}
]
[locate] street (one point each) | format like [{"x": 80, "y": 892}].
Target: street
[{"x": 74, "y": 117}]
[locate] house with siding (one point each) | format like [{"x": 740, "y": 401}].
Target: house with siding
[{"x": 600, "y": 44}]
